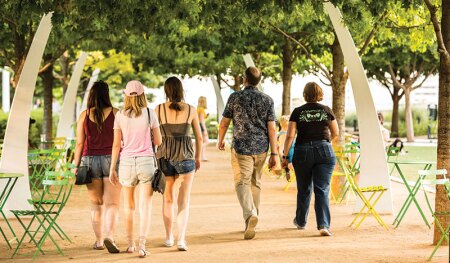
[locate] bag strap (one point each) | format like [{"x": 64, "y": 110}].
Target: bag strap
[{"x": 151, "y": 134}]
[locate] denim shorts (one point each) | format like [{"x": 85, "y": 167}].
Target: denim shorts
[
  {"x": 136, "y": 170},
  {"x": 99, "y": 165},
  {"x": 172, "y": 168}
]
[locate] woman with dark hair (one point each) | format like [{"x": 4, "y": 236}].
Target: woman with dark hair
[
  {"x": 93, "y": 146},
  {"x": 176, "y": 156},
  {"x": 314, "y": 159}
]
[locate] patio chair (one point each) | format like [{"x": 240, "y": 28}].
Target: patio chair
[
  {"x": 392, "y": 155},
  {"x": 434, "y": 182},
  {"x": 57, "y": 187},
  {"x": 374, "y": 194}
]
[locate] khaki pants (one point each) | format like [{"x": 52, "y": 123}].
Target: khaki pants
[{"x": 247, "y": 171}]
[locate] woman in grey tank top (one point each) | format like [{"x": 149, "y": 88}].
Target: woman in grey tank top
[{"x": 176, "y": 156}]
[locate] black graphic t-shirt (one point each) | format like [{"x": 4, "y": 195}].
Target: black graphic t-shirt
[
  {"x": 250, "y": 111},
  {"x": 313, "y": 122}
]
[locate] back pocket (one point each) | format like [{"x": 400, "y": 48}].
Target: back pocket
[
  {"x": 325, "y": 151},
  {"x": 300, "y": 154}
]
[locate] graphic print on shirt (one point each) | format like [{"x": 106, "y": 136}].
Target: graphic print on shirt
[{"x": 313, "y": 115}]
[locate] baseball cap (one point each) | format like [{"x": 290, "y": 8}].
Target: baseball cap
[{"x": 134, "y": 88}]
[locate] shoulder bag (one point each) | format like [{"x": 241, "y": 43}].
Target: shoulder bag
[
  {"x": 159, "y": 180},
  {"x": 83, "y": 175}
]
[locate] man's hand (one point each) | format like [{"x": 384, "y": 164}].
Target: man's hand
[
  {"x": 272, "y": 161},
  {"x": 221, "y": 145}
]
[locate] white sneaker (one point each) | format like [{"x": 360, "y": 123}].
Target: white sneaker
[
  {"x": 182, "y": 246},
  {"x": 325, "y": 232}
]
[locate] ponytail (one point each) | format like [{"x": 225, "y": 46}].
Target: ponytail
[{"x": 175, "y": 105}]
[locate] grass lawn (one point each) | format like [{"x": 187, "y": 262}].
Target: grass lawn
[{"x": 415, "y": 153}]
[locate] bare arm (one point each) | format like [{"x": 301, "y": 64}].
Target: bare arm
[
  {"x": 198, "y": 140},
  {"x": 157, "y": 138},
  {"x": 115, "y": 156},
  {"x": 291, "y": 131},
  {"x": 273, "y": 143},
  {"x": 80, "y": 139},
  {"x": 334, "y": 130},
  {"x": 223, "y": 127}
]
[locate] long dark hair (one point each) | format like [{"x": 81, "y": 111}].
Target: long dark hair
[
  {"x": 174, "y": 92},
  {"x": 99, "y": 99}
]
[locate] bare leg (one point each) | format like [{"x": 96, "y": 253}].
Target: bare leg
[
  {"x": 145, "y": 212},
  {"x": 183, "y": 204},
  {"x": 95, "y": 193},
  {"x": 128, "y": 194},
  {"x": 111, "y": 198},
  {"x": 205, "y": 143},
  {"x": 168, "y": 207}
]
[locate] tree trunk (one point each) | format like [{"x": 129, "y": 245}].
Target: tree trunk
[
  {"x": 237, "y": 82},
  {"x": 287, "y": 58},
  {"x": 64, "y": 59},
  {"x": 443, "y": 148},
  {"x": 47, "y": 81},
  {"x": 408, "y": 115},
  {"x": 395, "y": 111},
  {"x": 338, "y": 82}
]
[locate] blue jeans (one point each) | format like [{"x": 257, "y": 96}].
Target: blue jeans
[{"x": 313, "y": 164}]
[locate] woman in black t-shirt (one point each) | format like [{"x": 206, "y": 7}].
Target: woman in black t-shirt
[{"x": 313, "y": 159}]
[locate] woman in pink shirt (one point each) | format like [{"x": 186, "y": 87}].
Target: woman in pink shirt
[{"x": 132, "y": 128}]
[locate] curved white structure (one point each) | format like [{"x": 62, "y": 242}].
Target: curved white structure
[
  {"x": 374, "y": 169},
  {"x": 66, "y": 119},
  {"x": 15, "y": 144}
]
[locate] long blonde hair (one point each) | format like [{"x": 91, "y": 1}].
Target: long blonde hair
[{"x": 134, "y": 104}]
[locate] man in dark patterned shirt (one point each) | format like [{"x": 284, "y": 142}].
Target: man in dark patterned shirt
[{"x": 253, "y": 118}]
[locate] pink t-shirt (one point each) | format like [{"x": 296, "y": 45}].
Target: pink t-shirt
[{"x": 136, "y": 139}]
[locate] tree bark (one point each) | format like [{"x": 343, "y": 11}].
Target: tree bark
[
  {"x": 47, "y": 81},
  {"x": 237, "y": 82},
  {"x": 443, "y": 148},
  {"x": 395, "y": 111},
  {"x": 287, "y": 58},
  {"x": 64, "y": 60},
  {"x": 408, "y": 115},
  {"x": 338, "y": 81}
]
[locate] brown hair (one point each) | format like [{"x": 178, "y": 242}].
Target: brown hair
[
  {"x": 134, "y": 104},
  {"x": 174, "y": 92},
  {"x": 98, "y": 99},
  {"x": 312, "y": 92},
  {"x": 253, "y": 75}
]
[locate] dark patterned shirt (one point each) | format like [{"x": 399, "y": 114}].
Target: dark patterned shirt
[{"x": 250, "y": 111}]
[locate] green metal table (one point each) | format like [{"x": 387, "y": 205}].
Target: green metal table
[
  {"x": 411, "y": 191},
  {"x": 9, "y": 186}
]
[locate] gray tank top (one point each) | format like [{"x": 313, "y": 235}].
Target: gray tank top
[{"x": 176, "y": 139}]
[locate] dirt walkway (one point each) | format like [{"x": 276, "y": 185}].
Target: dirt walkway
[{"x": 215, "y": 232}]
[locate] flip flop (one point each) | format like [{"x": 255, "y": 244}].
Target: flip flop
[{"x": 111, "y": 246}]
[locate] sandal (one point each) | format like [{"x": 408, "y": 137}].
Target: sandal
[
  {"x": 111, "y": 246},
  {"x": 97, "y": 247},
  {"x": 131, "y": 249},
  {"x": 143, "y": 253}
]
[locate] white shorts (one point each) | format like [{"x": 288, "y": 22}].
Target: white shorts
[{"x": 136, "y": 170}]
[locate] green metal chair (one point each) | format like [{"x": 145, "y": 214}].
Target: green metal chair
[
  {"x": 57, "y": 187},
  {"x": 434, "y": 182},
  {"x": 392, "y": 155}
]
